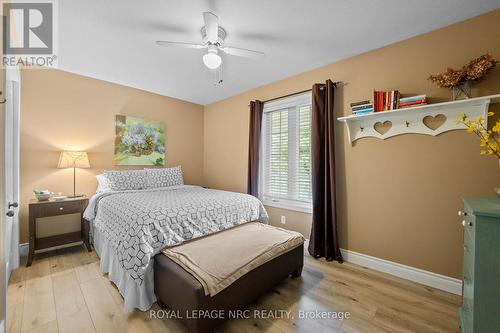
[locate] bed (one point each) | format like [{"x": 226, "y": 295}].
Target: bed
[{"x": 130, "y": 226}]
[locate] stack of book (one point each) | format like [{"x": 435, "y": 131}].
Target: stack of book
[
  {"x": 408, "y": 102},
  {"x": 362, "y": 107},
  {"x": 385, "y": 100}
]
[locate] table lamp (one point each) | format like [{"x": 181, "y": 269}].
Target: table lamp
[{"x": 73, "y": 159}]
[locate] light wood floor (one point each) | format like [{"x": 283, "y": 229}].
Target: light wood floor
[{"x": 64, "y": 291}]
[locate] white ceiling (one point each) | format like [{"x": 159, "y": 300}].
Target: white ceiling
[{"x": 114, "y": 40}]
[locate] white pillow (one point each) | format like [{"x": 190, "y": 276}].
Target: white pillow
[
  {"x": 126, "y": 180},
  {"x": 102, "y": 183},
  {"x": 164, "y": 177}
]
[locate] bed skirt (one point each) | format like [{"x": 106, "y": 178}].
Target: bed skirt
[{"x": 135, "y": 296}]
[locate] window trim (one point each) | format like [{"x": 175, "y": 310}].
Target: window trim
[
  {"x": 283, "y": 203},
  {"x": 298, "y": 206}
]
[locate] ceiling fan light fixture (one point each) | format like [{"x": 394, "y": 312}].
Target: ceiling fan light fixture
[{"x": 212, "y": 60}]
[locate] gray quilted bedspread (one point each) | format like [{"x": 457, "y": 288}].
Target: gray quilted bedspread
[{"x": 138, "y": 224}]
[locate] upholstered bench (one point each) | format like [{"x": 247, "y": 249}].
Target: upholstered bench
[{"x": 186, "y": 297}]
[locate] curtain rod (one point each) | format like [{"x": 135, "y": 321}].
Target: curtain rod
[{"x": 295, "y": 93}]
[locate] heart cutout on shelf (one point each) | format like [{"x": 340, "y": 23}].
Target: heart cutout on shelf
[
  {"x": 382, "y": 128},
  {"x": 434, "y": 122}
]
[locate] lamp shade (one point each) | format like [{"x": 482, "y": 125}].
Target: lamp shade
[{"x": 73, "y": 159}]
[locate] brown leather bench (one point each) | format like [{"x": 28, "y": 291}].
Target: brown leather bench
[{"x": 179, "y": 291}]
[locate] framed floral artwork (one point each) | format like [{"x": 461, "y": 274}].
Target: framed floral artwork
[{"x": 139, "y": 141}]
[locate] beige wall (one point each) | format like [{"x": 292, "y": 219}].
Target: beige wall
[
  {"x": 398, "y": 198},
  {"x": 67, "y": 111}
]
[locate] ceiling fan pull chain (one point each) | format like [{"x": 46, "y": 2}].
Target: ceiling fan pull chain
[{"x": 218, "y": 75}]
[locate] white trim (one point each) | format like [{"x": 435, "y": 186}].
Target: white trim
[
  {"x": 285, "y": 204},
  {"x": 24, "y": 249},
  {"x": 288, "y": 102},
  {"x": 427, "y": 278}
]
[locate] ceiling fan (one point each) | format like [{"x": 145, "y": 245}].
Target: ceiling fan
[{"x": 213, "y": 36}]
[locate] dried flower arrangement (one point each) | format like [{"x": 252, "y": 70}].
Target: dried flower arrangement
[
  {"x": 449, "y": 79},
  {"x": 475, "y": 70},
  {"x": 478, "y": 68}
]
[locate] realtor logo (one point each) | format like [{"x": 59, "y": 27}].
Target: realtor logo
[{"x": 29, "y": 33}]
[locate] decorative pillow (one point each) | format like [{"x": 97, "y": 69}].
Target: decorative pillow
[
  {"x": 164, "y": 177},
  {"x": 126, "y": 180},
  {"x": 102, "y": 183}
]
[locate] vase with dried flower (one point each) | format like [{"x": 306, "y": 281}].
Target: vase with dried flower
[{"x": 460, "y": 81}]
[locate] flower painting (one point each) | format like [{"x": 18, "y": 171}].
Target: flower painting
[{"x": 139, "y": 141}]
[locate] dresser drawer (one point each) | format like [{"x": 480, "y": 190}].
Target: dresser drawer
[{"x": 54, "y": 209}]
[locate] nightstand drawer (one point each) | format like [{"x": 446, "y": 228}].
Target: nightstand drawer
[{"x": 61, "y": 208}]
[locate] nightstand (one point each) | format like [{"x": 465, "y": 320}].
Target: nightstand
[{"x": 38, "y": 209}]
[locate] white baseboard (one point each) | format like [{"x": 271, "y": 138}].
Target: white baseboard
[
  {"x": 426, "y": 278},
  {"x": 430, "y": 279},
  {"x": 24, "y": 249}
]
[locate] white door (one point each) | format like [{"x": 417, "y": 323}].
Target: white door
[
  {"x": 10, "y": 132},
  {"x": 11, "y": 169}
]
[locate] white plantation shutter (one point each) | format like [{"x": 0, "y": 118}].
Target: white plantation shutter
[{"x": 285, "y": 161}]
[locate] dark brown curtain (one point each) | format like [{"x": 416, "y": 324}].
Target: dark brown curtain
[
  {"x": 256, "y": 108},
  {"x": 324, "y": 238}
]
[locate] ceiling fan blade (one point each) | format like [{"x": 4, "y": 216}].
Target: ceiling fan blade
[
  {"x": 239, "y": 52},
  {"x": 180, "y": 44},
  {"x": 211, "y": 26}
]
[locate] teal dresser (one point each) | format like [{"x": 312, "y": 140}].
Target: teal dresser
[{"x": 480, "y": 310}]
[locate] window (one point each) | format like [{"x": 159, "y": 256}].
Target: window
[{"x": 285, "y": 160}]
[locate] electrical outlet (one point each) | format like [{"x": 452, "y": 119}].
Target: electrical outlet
[{"x": 283, "y": 219}]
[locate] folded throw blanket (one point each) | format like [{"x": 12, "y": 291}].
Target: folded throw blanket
[{"x": 218, "y": 260}]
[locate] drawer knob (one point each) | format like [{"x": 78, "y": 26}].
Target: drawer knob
[
  {"x": 466, "y": 249},
  {"x": 462, "y": 213},
  {"x": 61, "y": 208},
  {"x": 464, "y": 223}
]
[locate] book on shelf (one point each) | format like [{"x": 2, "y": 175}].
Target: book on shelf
[
  {"x": 412, "y": 98},
  {"x": 362, "y": 107},
  {"x": 413, "y": 103},
  {"x": 365, "y": 111},
  {"x": 385, "y": 100},
  {"x": 408, "y": 102},
  {"x": 361, "y": 103}
]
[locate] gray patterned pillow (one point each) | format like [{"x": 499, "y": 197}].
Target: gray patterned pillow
[
  {"x": 164, "y": 177},
  {"x": 126, "y": 180}
]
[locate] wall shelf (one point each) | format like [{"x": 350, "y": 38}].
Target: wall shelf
[{"x": 387, "y": 124}]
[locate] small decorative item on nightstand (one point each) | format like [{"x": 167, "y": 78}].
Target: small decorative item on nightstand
[
  {"x": 42, "y": 195},
  {"x": 39, "y": 209}
]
